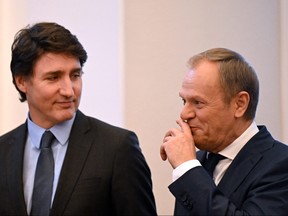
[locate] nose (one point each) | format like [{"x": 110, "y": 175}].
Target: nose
[
  {"x": 187, "y": 112},
  {"x": 66, "y": 87}
]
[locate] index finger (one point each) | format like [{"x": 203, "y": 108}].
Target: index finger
[{"x": 184, "y": 126}]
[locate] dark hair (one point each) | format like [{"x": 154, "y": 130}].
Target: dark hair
[
  {"x": 235, "y": 75},
  {"x": 33, "y": 41}
]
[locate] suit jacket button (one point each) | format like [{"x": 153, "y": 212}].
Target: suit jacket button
[
  {"x": 184, "y": 198},
  {"x": 190, "y": 206}
]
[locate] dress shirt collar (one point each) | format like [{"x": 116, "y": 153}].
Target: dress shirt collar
[
  {"x": 232, "y": 150},
  {"x": 61, "y": 131}
]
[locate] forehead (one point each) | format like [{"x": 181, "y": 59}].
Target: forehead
[
  {"x": 202, "y": 79},
  {"x": 56, "y": 62}
]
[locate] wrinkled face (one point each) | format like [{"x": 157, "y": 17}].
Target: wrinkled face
[
  {"x": 54, "y": 90},
  {"x": 211, "y": 119}
]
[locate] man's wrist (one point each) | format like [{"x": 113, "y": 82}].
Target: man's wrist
[{"x": 183, "y": 168}]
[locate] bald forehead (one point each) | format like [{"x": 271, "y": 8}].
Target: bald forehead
[{"x": 205, "y": 72}]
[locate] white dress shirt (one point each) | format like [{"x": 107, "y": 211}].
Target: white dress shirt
[{"x": 229, "y": 152}]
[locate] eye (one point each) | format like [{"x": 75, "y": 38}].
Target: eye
[
  {"x": 52, "y": 77},
  {"x": 199, "y": 104},
  {"x": 184, "y": 101},
  {"x": 76, "y": 75}
]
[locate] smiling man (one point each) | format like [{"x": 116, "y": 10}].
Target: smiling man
[
  {"x": 80, "y": 166},
  {"x": 53, "y": 91},
  {"x": 240, "y": 169}
]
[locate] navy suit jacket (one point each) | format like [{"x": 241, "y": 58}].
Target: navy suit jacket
[
  {"x": 103, "y": 173},
  {"x": 256, "y": 183}
]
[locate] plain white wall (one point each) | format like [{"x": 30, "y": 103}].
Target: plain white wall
[{"x": 137, "y": 58}]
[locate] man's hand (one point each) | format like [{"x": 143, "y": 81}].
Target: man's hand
[{"x": 178, "y": 145}]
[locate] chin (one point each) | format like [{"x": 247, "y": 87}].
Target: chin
[
  {"x": 200, "y": 144},
  {"x": 67, "y": 115}
]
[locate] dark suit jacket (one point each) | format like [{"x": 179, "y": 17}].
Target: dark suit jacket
[
  {"x": 256, "y": 183},
  {"x": 103, "y": 173}
]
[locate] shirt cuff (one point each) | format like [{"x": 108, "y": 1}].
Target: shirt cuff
[{"x": 183, "y": 168}]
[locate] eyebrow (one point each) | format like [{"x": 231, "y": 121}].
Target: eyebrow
[
  {"x": 193, "y": 97},
  {"x": 181, "y": 94},
  {"x": 60, "y": 71}
]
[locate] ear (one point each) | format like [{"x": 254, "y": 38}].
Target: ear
[
  {"x": 21, "y": 83},
  {"x": 241, "y": 102}
]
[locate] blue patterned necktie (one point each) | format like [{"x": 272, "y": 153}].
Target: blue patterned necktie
[
  {"x": 44, "y": 176},
  {"x": 211, "y": 162}
]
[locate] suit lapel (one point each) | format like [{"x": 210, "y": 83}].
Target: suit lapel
[
  {"x": 245, "y": 161},
  {"x": 241, "y": 165},
  {"x": 237, "y": 172},
  {"x": 78, "y": 148},
  {"x": 15, "y": 169}
]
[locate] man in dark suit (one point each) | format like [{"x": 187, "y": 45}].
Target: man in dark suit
[
  {"x": 97, "y": 168},
  {"x": 220, "y": 94}
]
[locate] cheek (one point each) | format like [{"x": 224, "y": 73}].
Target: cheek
[
  {"x": 205, "y": 118},
  {"x": 220, "y": 126},
  {"x": 78, "y": 88},
  {"x": 44, "y": 94},
  {"x": 211, "y": 123}
]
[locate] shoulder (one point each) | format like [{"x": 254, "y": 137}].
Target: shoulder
[
  {"x": 264, "y": 138},
  {"x": 20, "y": 130},
  {"x": 105, "y": 127},
  {"x": 113, "y": 139},
  {"x": 101, "y": 128}
]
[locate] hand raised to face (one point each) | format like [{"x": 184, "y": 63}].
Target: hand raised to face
[{"x": 178, "y": 145}]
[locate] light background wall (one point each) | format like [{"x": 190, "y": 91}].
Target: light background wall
[{"x": 137, "y": 58}]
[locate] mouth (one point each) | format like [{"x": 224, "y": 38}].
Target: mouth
[
  {"x": 65, "y": 104},
  {"x": 194, "y": 129}
]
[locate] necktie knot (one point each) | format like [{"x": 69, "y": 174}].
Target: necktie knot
[
  {"x": 46, "y": 140},
  {"x": 212, "y": 161}
]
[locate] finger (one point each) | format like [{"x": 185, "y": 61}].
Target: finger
[
  {"x": 168, "y": 134},
  {"x": 174, "y": 132},
  {"x": 184, "y": 126},
  {"x": 163, "y": 153},
  {"x": 166, "y": 139}
]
